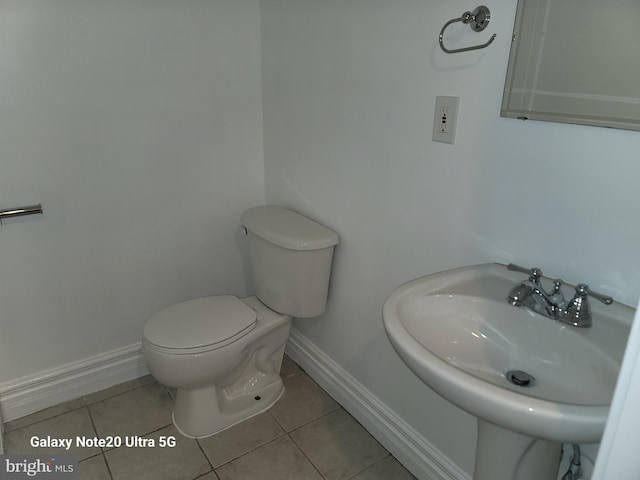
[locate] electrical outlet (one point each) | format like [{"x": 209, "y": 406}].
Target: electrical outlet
[{"x": 445, "y": 118}]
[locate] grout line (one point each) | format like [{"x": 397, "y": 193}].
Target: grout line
[
  {"x": 284, "y": 433},
  {"x": 93, "y": 424},
  {"x": 156, "y": 431},
  {"x": 307, "y": 458},
  {"x": 326, "y": 414},
  {"x": 88, "y": 458},
  {"x": 205, "y": 474},
  {"x": 276, "y": 420},
  {"x": 370, "y": 466},
  {"x": 95, "y": 429},
  {"x": 250, "y": 451},
  {"x": 106, "y": 462},
  {"x": 206, "y": 458}
]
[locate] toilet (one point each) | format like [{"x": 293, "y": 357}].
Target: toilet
[{"x": 223, "y": 353}]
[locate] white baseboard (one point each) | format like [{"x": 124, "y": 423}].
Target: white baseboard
[
  {"x": 413, "y": 450},
  {"x": 30, "y": 394}
]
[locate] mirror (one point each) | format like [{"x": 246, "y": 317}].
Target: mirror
[{"x": 575, "y": 61}]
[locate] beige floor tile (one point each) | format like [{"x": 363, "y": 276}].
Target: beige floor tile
[
  {"x": 136, "y": 412},
  {"x": 240, "y": 439},
  {"x": 338, "y": 446},
  {"x": 185, "y": 461},
  {"x": 277, "y": 460},
  {"x": 387, "y": 469},
  {"x": 67, "y": 426},
  {"x": 303, "y": 401},
  {"x": 94, "y": 468}
]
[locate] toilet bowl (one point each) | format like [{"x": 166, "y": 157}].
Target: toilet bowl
[
  {"x": 224, "y": 377},
  {"x": 223, "y": 354}
]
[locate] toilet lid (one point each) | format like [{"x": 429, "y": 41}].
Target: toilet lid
[{"x": 200, "y": 322}]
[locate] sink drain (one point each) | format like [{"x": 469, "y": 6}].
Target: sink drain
[{"x": 520, "y": 378}]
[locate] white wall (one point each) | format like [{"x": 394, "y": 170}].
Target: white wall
[
  {"x": 138, "y": 125},
  {"x": 348, "y": 94}
]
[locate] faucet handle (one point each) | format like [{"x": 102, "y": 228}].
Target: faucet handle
[
  {"x": 582, "y": 290},
  {"x": 578, "y": 312},
  {"x": 535, "y": 274}
]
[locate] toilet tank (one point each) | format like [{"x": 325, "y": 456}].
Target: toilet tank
[{"x": 290, "y": 258}]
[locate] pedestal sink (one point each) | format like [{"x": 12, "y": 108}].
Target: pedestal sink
[{"x": 532, "y": 382}]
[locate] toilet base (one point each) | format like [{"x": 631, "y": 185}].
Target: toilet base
[
  {"x": 202, "y": 412},
  {"x": 191, "y": 427}
]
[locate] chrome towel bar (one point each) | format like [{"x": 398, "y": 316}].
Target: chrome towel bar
[
  {"x": 20, "y": 211},
  {"x": 477, "y": 20}
]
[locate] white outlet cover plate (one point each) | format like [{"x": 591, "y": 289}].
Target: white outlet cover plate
[{"x": 445, "y": 133}]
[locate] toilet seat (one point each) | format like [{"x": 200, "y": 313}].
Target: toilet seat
[{"x": 201, "y": 324}]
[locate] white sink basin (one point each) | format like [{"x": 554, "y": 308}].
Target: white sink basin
[{"x": 457, "y": 333}]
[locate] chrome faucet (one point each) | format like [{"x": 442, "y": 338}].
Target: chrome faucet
[{"x": 530, "y": 293}]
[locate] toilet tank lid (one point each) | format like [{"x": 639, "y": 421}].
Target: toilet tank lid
[{"x": 287, "y": 228}]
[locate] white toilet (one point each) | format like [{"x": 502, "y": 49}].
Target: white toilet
[{"x": 223, "y": 354}]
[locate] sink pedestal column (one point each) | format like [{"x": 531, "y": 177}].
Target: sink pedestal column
[{"x": 505, "y": 455}]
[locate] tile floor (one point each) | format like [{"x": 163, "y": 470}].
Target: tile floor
[{"x": 306, "y": 435}]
